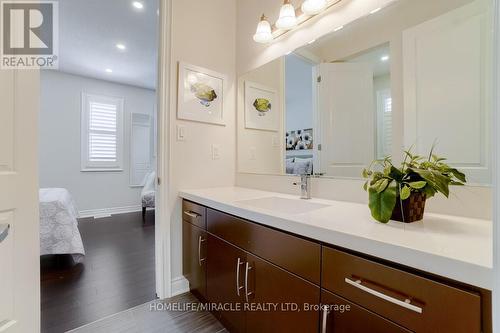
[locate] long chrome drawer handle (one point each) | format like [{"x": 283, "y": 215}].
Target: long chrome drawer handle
[
  {"x": 247, "y": 269},
  {"x": 405, "y": 304},
  {"x": 324, "y": 319},
  {"x": 4, "y": 231},
  {"x": 191, "y": 214},
  {"x": 238, "y": 287},
  {"x": 200, "y": 259}
]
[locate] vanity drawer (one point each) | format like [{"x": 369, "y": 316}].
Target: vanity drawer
[
  {"x": 194, "y": 214},
  {"x": 434, "y": 307},
  {"x": 297, "y": 255}
]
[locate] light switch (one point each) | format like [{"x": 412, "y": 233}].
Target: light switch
[
  {"x": 181, "y": 133},
  {"x": 215, "y": 152}
]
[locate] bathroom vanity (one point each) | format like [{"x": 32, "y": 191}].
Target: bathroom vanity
[{"x": 249, "y": 249}]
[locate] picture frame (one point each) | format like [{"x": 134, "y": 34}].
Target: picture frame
[
  {"x": 200, "y": 94},
  {"x": 261, "y": 107}
]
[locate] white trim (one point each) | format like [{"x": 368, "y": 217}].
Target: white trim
[
  {"x": 496, "y": 170},
  {"x": 180, "y": 285},
  {"x": 109, "y": 211},
  {"x": 162, "y": 214}
]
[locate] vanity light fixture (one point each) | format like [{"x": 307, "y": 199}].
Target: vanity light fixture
[
  {"x": 290, "y": 17},
  {"x": 264, "y": 32},
  {"x": 313, "y": 7},
  {"x": 287, "y": 19}
]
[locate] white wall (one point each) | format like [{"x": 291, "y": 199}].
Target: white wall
[
  {"x": 203, "y": 34},
  {"x": 59, "y": 140},
  {"x": 298, "y": 93},
  {"x": 256, "y": 150},
  {"x": 468, "y": 201}
]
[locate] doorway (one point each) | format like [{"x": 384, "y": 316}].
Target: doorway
[{"x": 98, "y": 156}]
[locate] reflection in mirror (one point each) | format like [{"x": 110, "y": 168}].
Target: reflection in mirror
[{"x": 414, "y": 73}]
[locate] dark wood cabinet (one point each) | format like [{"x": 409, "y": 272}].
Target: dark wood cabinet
[
  {"x": 415, "y": 302},
  {"x": 194, "y": 246},
  {"x": 279, "y": 301},
  {"x": 341, "y": 316},
  {"x": 225, "y": 282},
  {"x": 265, "y": 280},
  {"x": 294, "y": 254}
]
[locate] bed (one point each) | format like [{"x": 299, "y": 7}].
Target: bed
[{"x": 59, "y": 232}]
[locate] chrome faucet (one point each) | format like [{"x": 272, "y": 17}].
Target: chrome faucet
[{"x": 305, "y": 186}]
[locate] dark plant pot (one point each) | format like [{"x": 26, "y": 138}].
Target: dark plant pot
[{"x": 411, "y": 209}]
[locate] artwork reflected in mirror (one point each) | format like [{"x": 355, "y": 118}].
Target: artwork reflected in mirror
[{"x": 413, "y": 74}]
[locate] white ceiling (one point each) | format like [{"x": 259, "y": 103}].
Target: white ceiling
[
  {"x": 89, "y": 31},
  {"x": 381, "y": 66}
]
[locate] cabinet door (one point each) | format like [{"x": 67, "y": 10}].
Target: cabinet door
[
  {"x": 341, "y": 316},
  {"x": 225, "y": 269},
  {"x": 279, "y": 301},
  {"x": 194, "y": 242}
]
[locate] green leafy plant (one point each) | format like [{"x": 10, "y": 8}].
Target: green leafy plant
[{"x": 387, "y": 184}]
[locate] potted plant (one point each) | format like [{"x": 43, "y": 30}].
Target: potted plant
[{"x": 400, "y": 193}]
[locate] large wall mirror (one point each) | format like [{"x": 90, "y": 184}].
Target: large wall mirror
[{"x": 413, "y": 74}]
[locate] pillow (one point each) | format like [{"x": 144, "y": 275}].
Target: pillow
[
  {"x": 302, "y": 166},
  {"x": 289, "y": 165}
]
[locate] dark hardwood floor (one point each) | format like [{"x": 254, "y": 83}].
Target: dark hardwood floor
[
  {"x": 144, "y": 319},
  {"x": 118, "y": 273}
]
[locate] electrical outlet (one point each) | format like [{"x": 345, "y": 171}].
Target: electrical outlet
[
  {"x": 181, "y": 133},
  {"x": 253, "y": 153},
  {"x": 215, "y": 152},
  {"x": 275, "y": 141}
]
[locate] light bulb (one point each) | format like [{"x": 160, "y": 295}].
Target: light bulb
[
  {"x": 264, "y": 32},
  {"x": 287, "y": 19},
  {"x": 138, "y": 4},
  {"x": 313, "y": 7}
]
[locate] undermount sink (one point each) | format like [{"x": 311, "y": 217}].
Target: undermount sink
[{"x": 283, "y": 205}]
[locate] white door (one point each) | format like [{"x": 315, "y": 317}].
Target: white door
[
  {"x": 447, "y": 88},
  {"x": 19, "y": 248},
  {"x": 346, "y": 115}
]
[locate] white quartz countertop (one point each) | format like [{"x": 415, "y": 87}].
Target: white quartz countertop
[{"x": 458, "y": 248}]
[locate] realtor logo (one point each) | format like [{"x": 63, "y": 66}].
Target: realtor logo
[{"x": 29, "y": 34}]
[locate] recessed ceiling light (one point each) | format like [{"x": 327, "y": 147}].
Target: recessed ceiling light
[
  {"x": 384, "y": 58},
  {"x": 109, "y": 70},
  {"x": 121, "y": 46},
  {"x": 138, "y": 4},
  {"x": 338, "y": 28},
  {"x": 376, "y": 10}
]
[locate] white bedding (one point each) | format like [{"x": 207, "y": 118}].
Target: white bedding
[{"x": 59, "y": 232}]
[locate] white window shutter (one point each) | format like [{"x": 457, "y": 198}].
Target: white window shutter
[{"x": 101, "y": 132}]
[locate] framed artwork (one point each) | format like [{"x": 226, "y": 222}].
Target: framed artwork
[
  {"x": 299, "y": 139},
  {"x": 261, "y": 107},
  {"x": 200, "y": 94}
]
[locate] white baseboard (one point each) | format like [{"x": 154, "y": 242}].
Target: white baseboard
[
  {"x": 180, "y": 285},
  {"x": 109, "y": 211}
]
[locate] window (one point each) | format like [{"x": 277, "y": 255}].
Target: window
[
  {"x": 102, "y": 133},
  {"x": 384, "y": 123}
]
